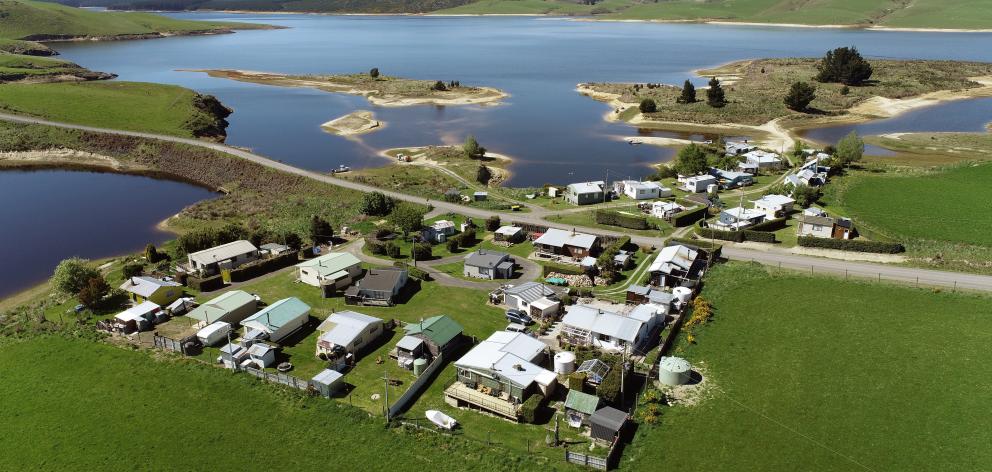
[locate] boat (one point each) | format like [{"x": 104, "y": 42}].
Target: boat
[
  {"x": 340, "y": 169},
  {"x": 441, "y": 419}
]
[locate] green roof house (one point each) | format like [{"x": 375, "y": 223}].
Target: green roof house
[
  {"x": 441, "y": 333},
  {"x": 335, "y": 270},
  {"x": 231, "y": 307},
  {"x": 579, "y": 407},
  {"x": 277, "y": 320}
]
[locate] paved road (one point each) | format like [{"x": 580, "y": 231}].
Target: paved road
[{"x": 774, "y": 258}]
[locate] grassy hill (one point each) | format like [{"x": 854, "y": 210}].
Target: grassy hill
[
  {"x": 970, "y": 14},
  {"x": 323, "y": 6},
  {"x": 814, "y": 373},
  {"x": 29, "y": 20},
  {"x": 16, "y": 67},
  {"x": 136, "y": 106}
]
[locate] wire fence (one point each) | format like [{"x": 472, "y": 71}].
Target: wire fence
[{"x": 954, "y": 284}]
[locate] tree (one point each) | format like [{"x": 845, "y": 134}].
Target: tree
[
  {"x": 688, "y": 93},
  {"x": 493, "y": 223},
  {"x": 797, "y": 149},
  {"x": 71, "y": 275},
  {"x": 320, "y": 230},
  {"x": 93, "y": 291},
  {"x": 849, "y": 149},
  {"x": 805, "y": 195},
  {"x": 648, "y": 106},
  {"x": 467, "y": 238},
  {"x": 375, "y": 204},
  {"x": 800, "y": 95},
  {"x": 715, "y": 96},
  {"x": 439, "y": 86},
  {"x": 472, "y": 148},
  {"x": 133, "y": 269},
  {"x": 152, "y": 254},
  {"x": 691, "y": 160},
  {"x": 723, "y": 161},
  {"x": 374, "y": 73},
  {"x": 421, "y": 251},
  {"x": 292, "y": 240},
  {"x": 451, "y": 244},
  {"x": 483, "y": 175},
  {"x": 408, "y": 218},
  {"x": 845, "y": 66}
]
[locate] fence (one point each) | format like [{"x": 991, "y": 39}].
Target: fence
[
  {"x": 595, "y": 462},
  {"x": 168, "y": 344},
  {"x": 279, "y": 378},
  {"x": 411, "y": 393},
  {"x": 895, "y": 274}
]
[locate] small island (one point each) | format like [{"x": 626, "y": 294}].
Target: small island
[
  {"x": 378, "y": 89},
  {"x": 354, "y": 123},
  {"x": 771, "y": 97}
]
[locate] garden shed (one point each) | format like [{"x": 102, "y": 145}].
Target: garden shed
[
  {"x": 607, "y": 423},
  {"x": 579, "y": 407},
  {"x": 328, "y": 382}
]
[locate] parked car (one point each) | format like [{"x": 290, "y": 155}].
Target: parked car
[
  {"x": 517, "y": 316},
  {"x": 516, "y": 328}
]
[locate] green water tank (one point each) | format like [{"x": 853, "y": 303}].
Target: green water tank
[{"x": 418, "y": 366}]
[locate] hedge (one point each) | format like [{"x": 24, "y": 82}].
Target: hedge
[
  {"x": 528, "y": 411},
  {"x": 413, "y": 271},
  {"x": 615, "y": 218},
  {"x": 688, "y": 217},
  {"x": 856, "y": 245},
  {"x": 769, "y": 225},
  {"x": 547, "y": 269},
  {"x": 710, "y": 233},
  {"x": 759, "y": 236},
  {"x": 208, "y": 284},
  {"x": 264, "y": 266},
  {"x": 702, "y": 244}
]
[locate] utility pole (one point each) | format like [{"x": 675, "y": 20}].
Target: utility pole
[{"x": 385, "y": 388}]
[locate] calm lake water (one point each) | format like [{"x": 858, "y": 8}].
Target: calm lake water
[
  {"x": 51, "y": 215},
  {"x": 554, "y": 134}
]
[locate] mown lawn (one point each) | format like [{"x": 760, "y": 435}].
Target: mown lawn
[
  {"x": 83, "y": 405},
  {"x": 135, "y": 106},
  {"x": 950, "y": 206},
  {"x": 807, "y": 373},
  {"x": 588, "y": 219}
]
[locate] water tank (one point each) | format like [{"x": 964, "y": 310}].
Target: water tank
[
  {"x": 674, "y": 371},
  {"x": 682, "y": 294},
  {"x": 418, "y": 366},
  {"x": 564, "y": 363},
  {"x": 712, "y": 189}
]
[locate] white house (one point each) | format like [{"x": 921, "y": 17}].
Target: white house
[
  {"x": 486, "y": 264},
  {"x": 825, "y": 227},
  {"x": 676, "y": 265},
  {"x": 665, "y": 210},
  {"x": 532, "y": 298},
  {"x": 509, "y": 364},
  {"x": 698, "y": 183},
  {"x": 277, "y": 320},
  {"x": 347, "y": 330},
  {"x": 604, "y": 330},
  {"x": 641, "y": 190},
  {"x": 763, "y": 159},
  {"x": 738, "y": 218},
  {"x": 585, "y": 193},
  {"x": 337, "y": 269},
  {"x": 223, "y": 257},
  {"x": 774, "y": 206},
  {"x": 262, "y": 355},
  {"x": 439, "y": 230},
  {"x": 736, "y": 148}
]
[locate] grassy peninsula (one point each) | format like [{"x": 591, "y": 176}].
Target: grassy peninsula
[
  {"x": 25, "y": 68},
  {"x": 43, "y": 21},
  {"x": 755, "y": 90},
  {"x": 378, "y": 89}
]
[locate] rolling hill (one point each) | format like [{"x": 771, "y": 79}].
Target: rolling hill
[
  {"x": 30, "y": 20},
  {"x": 322, "y": 6}
]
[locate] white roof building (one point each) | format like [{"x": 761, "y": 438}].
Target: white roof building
[
  {"x": 774, "y": 205},
  {"x": 560, "y": 238},
  {"x": 674, "y": 257},
  {"x": 512, "y": 356},
  {"x": 146, "y": 286},
  {"x": 602, "y": 329},
  {"x": 344, "y": 327},
  {"x": 222, "y": 253}
]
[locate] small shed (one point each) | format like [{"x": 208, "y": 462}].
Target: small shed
[
  {"x": 262, "y": 354},
  {"x": 607, "y": 423},
  {"x": 328, "y": 382},
  {"x": 409, "y": 349},
  {"x": 579, "y": 407},
  {"x": 480, "y": 196}
]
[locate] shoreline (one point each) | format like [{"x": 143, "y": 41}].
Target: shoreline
[
  {"x": 502, "y": 170},
  {"x": 46, "y": 39},
  {"x": 487, "y": 96},
  {"x": 591, "y": 18},
  {"x": 779, "y": 136},
  {"x": 344, "y": 126}
]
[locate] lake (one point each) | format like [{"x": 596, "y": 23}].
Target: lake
[
  {"x": 51, "y": 215},
  {"x": 553, "y": 133}
]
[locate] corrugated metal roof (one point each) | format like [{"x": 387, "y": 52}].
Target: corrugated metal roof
[
  {"x": 609, "y": 417},
  {"x": 559, "y": 238},
  {"x": 674, "y": 256},
  {"x": 439, "y": 329},
  {"x": 145, "y": 286},
  {"x": 485, "y": 258},
  {"x": 343, "y": 327},
  {"x": 581, "y": 402},
  {"x": 276, "y": 315},
  {"x": 222, "y": 305},
  {"x": 602, "y": 322},
  {"x": 222, "y": 252},
  {"x": 330, "y": 263}
]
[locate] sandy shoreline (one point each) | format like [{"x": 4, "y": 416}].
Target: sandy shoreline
[
  {"x": 779, "y": 137},
  {"x": 418, "y": 158},
  {"x": 355, "y": 123},
  {"x": 465, "y": 96}
]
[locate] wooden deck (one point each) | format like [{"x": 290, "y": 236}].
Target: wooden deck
[{"x": 463, "y": 394}]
